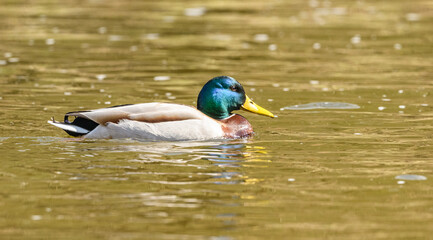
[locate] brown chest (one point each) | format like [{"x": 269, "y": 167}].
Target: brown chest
[{"x": 236, "y": 126}]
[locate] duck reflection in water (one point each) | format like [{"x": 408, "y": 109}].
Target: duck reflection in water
[{"x": 182, "y": 159}]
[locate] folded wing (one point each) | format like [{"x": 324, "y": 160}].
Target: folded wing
[{"x": 144, "y": 112}]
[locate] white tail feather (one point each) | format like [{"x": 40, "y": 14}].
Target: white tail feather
[{"x": 69, "y": 127}]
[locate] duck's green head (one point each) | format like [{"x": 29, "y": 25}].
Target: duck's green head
[{"x": 222, "y": 95}]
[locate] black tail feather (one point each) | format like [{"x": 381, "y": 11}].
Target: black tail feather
[
  {"x": 83, "y": 122},
  {"x": 80, "y": 122}
]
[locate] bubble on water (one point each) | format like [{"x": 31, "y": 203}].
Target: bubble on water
[
  {"x": 314, "y": 82},
  {"x": 272, "y": 47},
  {"x": 413, "y": 17},
  {"x": 48, "y": 209},
  {"x": 42, "y": 18},
  {"x": 381, "y": 108},
  {"x": 401, "y": 182},
  {"x": 108, "y": 102},
  {"x": 102, "y": 30},
  {"x": 50, "y": 41},
  {"x": 252, "y": 89},
  {"x": 356, "y": 39},
  {"x": 101, "y": 90},
  {"x": 384, "y": 95},
  {"x": 133, "y": 48},
  {"x": 286, "y": 89},
  {"x": 8, "y": 54},
  {"x": 171, "y": 97},
  {"x": 339, "y": 11},
  {"x": 13, "y": 60},
  {"x": 168, "y": 19},
  {"x": 400, "y": 91},
  {"x": 317, "y": 46},
  {"x": 402, "y": 106},
  {"x": 36, "y": 217},
  {"x": 386, "y": 99},
  {"x": 313, "y": 3},
  {"x": 101, "y": 77},
  {"x": 85, "y": 45},
  {"x": 220, "y": 238},
  {"x": 194, "y": 12},
  {"x": 397, "y": 46},
  {"x": 293, "y": 19},
  {"x": 3, "y": 62},
  {"x": 357, "y": 134},
  {"x": 67, "y": 93},
  {"x": 424, "y": 104},
  {"x": 221, "y": 37},
  {"x": 115, "y": 38},
  {"x": 270, "y": 100},
  {"x": 326, "y": 3},
  {"x": 151, "y": 36},
  {"x": 291, "y": 179},
  {"x": 322, "y": 105},
  {"x": 245, "y": 45},
  {"x": 411, "y": 177},
  {"x": 261, "y": 37},
  {"x": 161, "y": 78},
  {"x": 275, "y": 85}
]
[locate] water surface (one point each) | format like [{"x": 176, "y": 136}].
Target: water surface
[{"x": 311, "y": 174}]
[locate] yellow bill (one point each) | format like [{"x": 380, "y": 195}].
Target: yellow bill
[{"x": 250, "y": 106}]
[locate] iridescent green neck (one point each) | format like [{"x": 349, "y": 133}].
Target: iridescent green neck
[{"x": 213, "y": 103}]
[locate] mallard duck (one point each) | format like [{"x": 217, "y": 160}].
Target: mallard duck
[{"x": 212, "y": 119}]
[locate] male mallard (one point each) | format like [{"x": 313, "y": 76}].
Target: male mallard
[{"x": 212, "y": 119}]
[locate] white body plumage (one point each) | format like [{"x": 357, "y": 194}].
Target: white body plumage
[{"x": 152, "y": 121}]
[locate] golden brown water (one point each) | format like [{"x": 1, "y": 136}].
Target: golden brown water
[{"x": 308, "y": 174}]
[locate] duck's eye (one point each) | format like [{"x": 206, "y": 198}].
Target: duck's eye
[{"x": 233, "y": 88}]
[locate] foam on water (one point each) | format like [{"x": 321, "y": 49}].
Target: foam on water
[
  {"x": 195, "y": 12},
  {"x": 261, "y": 37},
  {"x": 411, "y": 177},
  {"x": 322, "y": 105}
]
